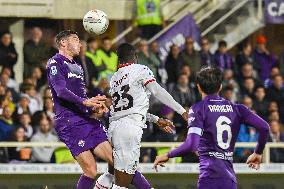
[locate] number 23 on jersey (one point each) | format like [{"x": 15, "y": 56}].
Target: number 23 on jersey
[{"x": 124, "y": 96}]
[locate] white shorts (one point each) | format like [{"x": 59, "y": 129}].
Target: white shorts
[{"x": 125, "y": 136}]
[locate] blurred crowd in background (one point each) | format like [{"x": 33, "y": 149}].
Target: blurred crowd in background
[{"x": 252, "y": 77}]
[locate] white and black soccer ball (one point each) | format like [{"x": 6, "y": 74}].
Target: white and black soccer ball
[{"x": 95, "y": 22}]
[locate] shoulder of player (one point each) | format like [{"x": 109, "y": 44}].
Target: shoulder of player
[
  {"x": 195, "y": 108},
  {"x": 239, "y": 108},
  {"x": 53, "y": 61},
  {"x": 142, "y": 67}
]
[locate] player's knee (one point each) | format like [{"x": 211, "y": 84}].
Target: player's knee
[{"x": 91, "y": 171}]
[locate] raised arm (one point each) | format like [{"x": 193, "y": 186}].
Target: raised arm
[
  {"x": 195, "y": 129},
  {"x": 147, "y": 79}
]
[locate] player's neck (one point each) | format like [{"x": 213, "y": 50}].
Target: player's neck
[
  {"x": 66, "y": 54},
  {"x": 203, "y": 95}
]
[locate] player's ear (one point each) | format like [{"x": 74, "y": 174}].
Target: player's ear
[{"x": 62, "y": 42}]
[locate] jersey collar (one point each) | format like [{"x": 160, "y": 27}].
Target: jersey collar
[
  {"x": 65, "y": 58},
  {"x": 214, "y": 96},
  {"x": 124, "y": 65}
]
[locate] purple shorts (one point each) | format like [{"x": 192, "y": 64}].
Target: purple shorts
[
  {"x": 216, "y": 183},
  {"x": 80, "y": 134}
]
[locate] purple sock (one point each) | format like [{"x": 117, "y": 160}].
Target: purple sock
[
  {"x": 140, "y": 182},
  {"x": 85, "y": 182}
]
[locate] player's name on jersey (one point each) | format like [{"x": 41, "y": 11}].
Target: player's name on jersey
[
  {"x": 220, "y": 108},
  {"x": 118, "y": 82}
]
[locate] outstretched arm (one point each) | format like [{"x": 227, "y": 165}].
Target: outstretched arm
[
  {"x": 164, "y": 124},
  {"x": 195, "y": 130},
  {"x": 190, "y": 145},
  {"x": 161, "y": 94}
]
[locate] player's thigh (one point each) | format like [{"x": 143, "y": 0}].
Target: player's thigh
[
  {"x": 104, "y": 151},
  {"x": 125, "y": 137},
  {"x": 87, "y": 162}
]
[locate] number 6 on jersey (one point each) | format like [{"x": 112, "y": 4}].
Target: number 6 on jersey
[{"x": 223, "y": 124}]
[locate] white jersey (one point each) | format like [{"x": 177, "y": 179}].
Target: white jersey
[{"x": 129, "y": 92}]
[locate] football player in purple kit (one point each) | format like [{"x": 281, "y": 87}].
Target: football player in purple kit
[
  {"x": 83, "y": 135},
  {"x": 73, "y": 109},
  {"x": 213, "y": 127}
]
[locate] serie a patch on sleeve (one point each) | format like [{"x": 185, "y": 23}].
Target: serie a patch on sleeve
[{"x": 53, "y": 70}]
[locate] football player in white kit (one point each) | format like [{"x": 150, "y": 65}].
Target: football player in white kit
[{"x": 131, "y": 87}]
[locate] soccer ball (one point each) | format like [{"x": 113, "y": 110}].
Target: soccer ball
[{"x": 95, "y": 22}]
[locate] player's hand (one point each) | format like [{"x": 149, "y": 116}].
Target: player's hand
[
  {"x": 160, "y": 160},
  {"x": 102, "y": 109},
  {"x": 185, "y": 116},
  {"x": 166, "y": 125},
  {"x": 92, "y": 103},
  {"x": 101, "y": 98},
  {"x": 254, "y": 161},
  {"x": 95, "y": 102}
]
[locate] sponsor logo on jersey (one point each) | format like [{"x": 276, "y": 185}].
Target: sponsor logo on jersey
[
  {"x": 81, "y": 143},
  {"x": 53, "y": 70},
  {"x": 70, "y": 75},
  {"x": 190, "y": 111},
  {"x": 52, "y": 61},
  {"x": 220, "y": 108},
  {"x": 224, "y": 156},
  {"x": 190, "y": 120}
]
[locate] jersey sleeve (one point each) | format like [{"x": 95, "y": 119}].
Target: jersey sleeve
[
  {"x": 58, "y": 83},
  {"x": 146, "y": 76},
  {"x": 195, "y": 120},
  {"x": 253, "y": 120}
]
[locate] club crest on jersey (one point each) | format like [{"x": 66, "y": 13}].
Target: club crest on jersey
[
  {"x": 81, "y": 143},
  {"x": 53, "y": 70}
]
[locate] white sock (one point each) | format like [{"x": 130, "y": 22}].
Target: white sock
[
  {"x": 118, "y": 187},
  {"x": 104, "y": 181}
]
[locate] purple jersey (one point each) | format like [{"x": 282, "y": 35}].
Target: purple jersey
[
  {"x": 218, "y": 121},
  {"x": 72, "y": 122},
  {"x": 66, "y": 80}
]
